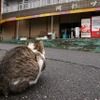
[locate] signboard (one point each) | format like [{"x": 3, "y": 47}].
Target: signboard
[
  {"x": 96, "y": 27},
  {"x": 85, "y": 28}
]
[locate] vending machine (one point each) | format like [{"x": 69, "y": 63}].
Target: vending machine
[{"x": 95, "y": 27}]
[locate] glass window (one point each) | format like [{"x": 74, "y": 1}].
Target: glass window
[
  {"x": 48, "y": 1},
  {"x": 26, "y": 1},
  {"x": 19, "y": 1},
  {"x": 5, "y": 2}
]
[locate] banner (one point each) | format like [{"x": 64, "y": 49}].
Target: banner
[
  {"x": 96, "y": 27},
  {"x": 85, "y": 28}
]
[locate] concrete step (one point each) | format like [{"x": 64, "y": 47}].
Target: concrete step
[{"x": 90, "y": 44}]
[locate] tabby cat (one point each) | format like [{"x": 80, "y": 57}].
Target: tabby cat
[{"x": 21, "y": 67}]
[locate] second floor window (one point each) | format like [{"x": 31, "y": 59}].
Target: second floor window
[
  {"x": 48, "y": 2},
  {"x": 26, "y": 1},
  {"x": 20, "y": 2}
]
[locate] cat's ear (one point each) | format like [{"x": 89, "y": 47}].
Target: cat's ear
[
  {"x": 41, "y": 47},
  {"x": 41, "y": 44}
]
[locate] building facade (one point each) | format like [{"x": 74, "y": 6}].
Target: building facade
[
  {"x": 36, "y": 18},
  {"x": 0, "y": 9}
]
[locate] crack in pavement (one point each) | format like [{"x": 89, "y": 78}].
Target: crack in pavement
[{"x": 73, "y": 63}]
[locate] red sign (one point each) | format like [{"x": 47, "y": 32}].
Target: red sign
[{"x": 85, "y": 28}]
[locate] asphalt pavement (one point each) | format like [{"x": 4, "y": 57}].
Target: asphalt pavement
[{"x": 69, "y": 75}]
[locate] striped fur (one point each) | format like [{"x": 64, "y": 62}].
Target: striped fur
[{"x": 21, "y": 67}]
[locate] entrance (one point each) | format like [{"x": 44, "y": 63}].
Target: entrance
[{"x": 67, "y": 30}]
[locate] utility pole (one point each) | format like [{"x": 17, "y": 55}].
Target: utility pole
[
  {"x": 17, "y": 30},
  {"x": 51, "y": 24}
]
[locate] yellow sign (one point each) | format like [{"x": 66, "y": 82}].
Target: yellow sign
[{"x": 82, "y": 10}]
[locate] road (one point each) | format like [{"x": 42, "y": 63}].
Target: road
[{"x": 69, "y": 75}]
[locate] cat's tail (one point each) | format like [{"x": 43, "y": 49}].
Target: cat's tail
[
  {"x": 3, "y": 87},
  {"x": 3, "y": 90}
]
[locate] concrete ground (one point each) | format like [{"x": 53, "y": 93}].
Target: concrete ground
[{"x": 69, "y": 75}]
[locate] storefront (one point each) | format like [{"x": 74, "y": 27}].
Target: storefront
[
  {"x": 82, "y": 25},
  {"x": 67, "y": 20}
]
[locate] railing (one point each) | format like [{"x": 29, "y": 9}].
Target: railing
[{"x": 35, "y": 4}]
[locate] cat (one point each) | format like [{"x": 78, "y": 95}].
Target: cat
[{"x": 21, "y": 67}]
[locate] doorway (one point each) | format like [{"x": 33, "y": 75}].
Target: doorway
[{"x": 67, "y": 30}]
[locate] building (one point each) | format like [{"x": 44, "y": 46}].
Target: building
[
  {"x": 36, "y": 18},
  {"x": 0, "y": 20},
  {"x": 0, "y": 10}
]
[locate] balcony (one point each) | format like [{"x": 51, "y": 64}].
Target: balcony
[
  {"x": 34, "y": 4},
  {"x": 42, "y": 7}
]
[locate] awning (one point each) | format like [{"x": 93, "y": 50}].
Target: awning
[{"x": 51, "y": 14}]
